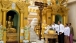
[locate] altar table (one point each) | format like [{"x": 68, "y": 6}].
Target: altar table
[{"x": 50, "y": 36}]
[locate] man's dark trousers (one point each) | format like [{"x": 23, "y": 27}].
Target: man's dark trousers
[{"x": 61, "y": 38}]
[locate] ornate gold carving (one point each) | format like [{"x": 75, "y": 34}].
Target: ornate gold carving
[
  {"x": 11, "y": 37},
  {"x": 49, "y": 10},
  {"x": 44, "y": 11},
  {"x": 63, "y": 9},
  {"x": 22, "y": 11},
  {"x": 6, "y": 4},
  {"x": 53, "y": 2},
  {"x": 0, "y": 0},
  {"x": 4, "y": 9},
  {"x": 62, "y": 1},
  {"x": 55, "y": 9},
  {"x": 22, "y": 5}
]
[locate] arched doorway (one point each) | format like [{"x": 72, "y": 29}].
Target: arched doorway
[
  {"x": 12, "y": 26},
  {"x": 58, "y": 18}
]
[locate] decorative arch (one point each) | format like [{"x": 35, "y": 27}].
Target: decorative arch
[
  {"x": 15, "y": 14},
  {"x": 16, "y": 20}
]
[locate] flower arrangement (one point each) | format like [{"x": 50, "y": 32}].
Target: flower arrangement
[{"x": 26, "y": 32}]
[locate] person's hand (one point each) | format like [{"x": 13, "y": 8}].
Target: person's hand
[{"x": 60, "y": 33}]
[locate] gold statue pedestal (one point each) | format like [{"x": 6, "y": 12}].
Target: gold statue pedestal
[{"x": 11, "y": 37}]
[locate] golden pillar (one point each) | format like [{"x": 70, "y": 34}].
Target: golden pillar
[
  {"x": 21, "y": 26},
  {"x": 26, "y": 15},
  {"x": 48, "y": 17},
  {"x": 64, "y": 19},
  {"x": 4, "y": 23},
  {"x": 44, "y": 19},
  {"x": 53, "y": 18},
  {"x": 44, "y": 16},
  {"x": 44, "y": 12},
  {"x": 43, "y": 25},
  {"x": 26, "y": 18}
]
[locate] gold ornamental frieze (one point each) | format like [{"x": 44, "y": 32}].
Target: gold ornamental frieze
[
  {"x": 21, "y": 5},
  {"x": 44, "y": 11},
  {"x": 55, "y": 8},
  {"x": 6, "y": 4},
  {"x": 0, "y": 1}
]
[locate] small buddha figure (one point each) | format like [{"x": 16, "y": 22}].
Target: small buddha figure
[
  {"x": 9, "y": 26},
  {"x": 9, "y": 22}
]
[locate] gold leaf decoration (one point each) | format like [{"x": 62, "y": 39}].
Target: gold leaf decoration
[
  {"x": 6, "y": 4},
  {"x": 21, "y": 5}
]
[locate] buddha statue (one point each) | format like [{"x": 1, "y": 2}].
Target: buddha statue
[{"x": 9, "y": 26}]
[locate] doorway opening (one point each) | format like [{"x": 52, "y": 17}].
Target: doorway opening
[
  {"x": 58, "y": 18},
  {"x": 12, "y": 26}
]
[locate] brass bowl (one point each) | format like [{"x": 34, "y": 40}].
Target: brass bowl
[{"x": 51, "y": 32}]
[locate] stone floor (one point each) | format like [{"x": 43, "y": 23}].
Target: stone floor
[
  {"x": 74, "y": 42},
  {"x": 35, "y": 42}
]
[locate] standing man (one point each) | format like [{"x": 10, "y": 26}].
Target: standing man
[
  {"x": 66, "y": 34},
  {"x": 60, "y": 32},
  {"x": 71, "y": 33}
]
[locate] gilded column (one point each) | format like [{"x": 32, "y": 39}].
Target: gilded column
[
  {"x": 44, "y": 13},
  {"x": 53, "y": 18},
  {"x": 21, "y": 26},
  {"x": 49, "y": 17},
  {"x": 26, "y": 14},
  {"x": 26, "y": 18},
  {"x": 64, "y": 19},
  {"x": 4, "y": 24}
]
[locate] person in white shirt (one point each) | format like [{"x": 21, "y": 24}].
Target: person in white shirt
[
  {"x": 55, "y": 27},
  {"x": 60, "y": 32},
  {"x": 66, "y": 33}
]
